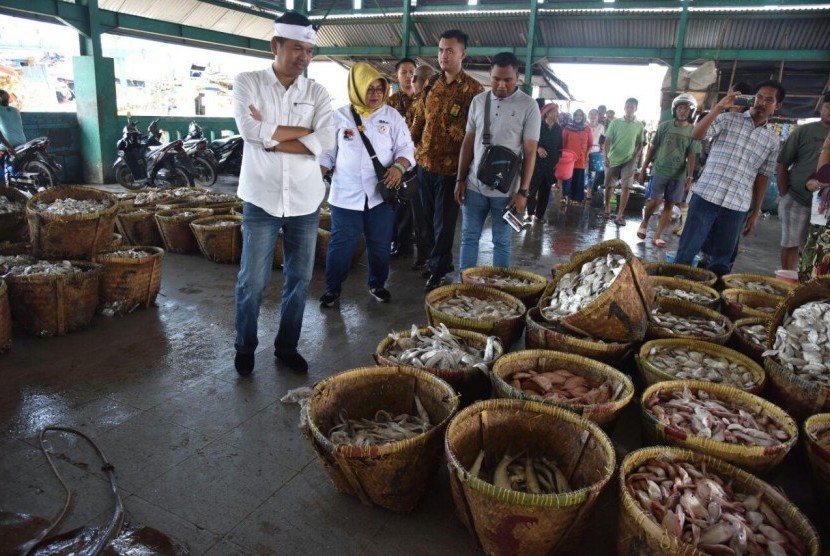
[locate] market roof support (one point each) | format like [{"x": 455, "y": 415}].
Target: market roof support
[{"x": 527, "y": 86}]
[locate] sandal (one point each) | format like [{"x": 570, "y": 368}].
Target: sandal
[
  {"x": 657, "y": 242},
  {"x": 619, "y": 221},
  {"x": 606, "y": 215},
  {"x": 641, "y": 233}
]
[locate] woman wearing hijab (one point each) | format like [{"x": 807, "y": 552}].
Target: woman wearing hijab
[
  {"x": 356, "y": 203},
  {"x": 576, "y": 137}
]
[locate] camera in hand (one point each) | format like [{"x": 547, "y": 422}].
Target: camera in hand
[
  {"x": 512, "y": 220},
  {"x": 744, "y": 100}
]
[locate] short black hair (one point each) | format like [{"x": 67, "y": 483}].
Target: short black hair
[
  {"x": 504, "y": 59},
  {"x": 601, "y": 107},
  {"x": 633, "y": 101},
  {"x": 743, "y": 88},
  {"x": 781, "y": 92},
  {"x": 456, "y": 34},
  {"x": 405, "y": 61}
]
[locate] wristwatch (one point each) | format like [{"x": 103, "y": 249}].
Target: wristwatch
[{"x": 523, "y": 192}]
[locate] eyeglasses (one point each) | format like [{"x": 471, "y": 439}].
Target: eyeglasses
[{"x": 373, "y": 90}]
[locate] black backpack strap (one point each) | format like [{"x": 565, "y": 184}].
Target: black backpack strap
[
  {"x": 485, "y": 136},
  {"x": 380, "y": 169}
]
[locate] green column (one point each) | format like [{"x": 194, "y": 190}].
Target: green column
[
  {"x": 406, "y": 26},
  {"x": 678, "y": 47},
  {"x": 531, "y": 43},
  {"x": 97, "y": 112}
]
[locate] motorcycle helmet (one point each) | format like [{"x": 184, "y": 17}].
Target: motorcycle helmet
[
  {"x": 195, "y": 130},
  {"x": 687, "y": 99}
]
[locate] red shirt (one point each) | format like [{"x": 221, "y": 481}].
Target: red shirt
[{"x": 578, "y": 142}]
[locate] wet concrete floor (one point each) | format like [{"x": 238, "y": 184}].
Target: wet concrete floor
[{"x": 215, "y": 460}]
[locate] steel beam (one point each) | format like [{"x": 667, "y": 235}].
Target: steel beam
[{"x": 678, "y": 46}]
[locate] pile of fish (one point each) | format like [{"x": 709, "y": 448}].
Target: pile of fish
[
  {"x": 211, "y": 197},
  {"x": 9, "y": 206},
  {"x": 185, "y": 214},
  {"x": 44, "y": 268},
  {"x": 823, "y": 438},
  {"x": 522, "y": 473},
  {"x": 171, "y": 195},
  {"x": 128, "y": 254},
  {"x": 501, "y": 281},
  {"x": 72, "y": 206},
  {"x": 703, "y": 509},
  {"x": 383, "y": 429},
  {"x": 440, "y": 349},
  {"x": 689, "y": 364},
  {"x": 224, "y": 223},
  {"x": 756, "y": 285},
  {"x": 753, "y": 333},
  {"x": 706, "y": 416},
  {"x": 802, "y": 342},
  {"x": 469, "y": 307},
  {"x": 686, "y": 325},
  {"x": 562, "y": 385},
  {"x": 700, "y": 298},
  {"x": 9, "y": 261},
  {"x": 579, "y": 288},
  {"x": 139, "y": 211}
]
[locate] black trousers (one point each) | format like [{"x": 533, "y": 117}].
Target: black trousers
[
  {"x": 539, "y": 195},
  {"x": 402, "y": 231},
  {"x": 439, "y": 218}
]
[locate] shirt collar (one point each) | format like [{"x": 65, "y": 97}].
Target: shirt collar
[{"x": 299, "y": 83}]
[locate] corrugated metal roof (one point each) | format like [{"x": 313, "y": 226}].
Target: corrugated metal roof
[
  {"x": 368, "y": 34},
  {"x": 777, "y": 34},
  {"x": 609, "y": 33}
]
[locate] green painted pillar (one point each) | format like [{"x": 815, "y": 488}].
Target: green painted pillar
[
  {"x": 405, "y": 29},
  {"x": 97, "y": 116},
  {"x": 527, "y": 86},
  {"x": 678, "y": 47}
]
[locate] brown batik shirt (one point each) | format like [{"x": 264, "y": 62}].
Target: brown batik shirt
[
  {"x": 400, "y": 101},
  {"x": 439, "y": 123},
  {"x": 413, "y": 110}
]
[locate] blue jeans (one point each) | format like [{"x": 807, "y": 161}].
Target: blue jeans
[
  {"x": 724, "y": 225},
  {"x": 346, "y": 226},
  {"x": 474, "y": 212},
  {"x": 259, "y": 237}
]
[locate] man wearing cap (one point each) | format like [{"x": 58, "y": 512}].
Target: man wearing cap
[{"x": 286, "y": 122}]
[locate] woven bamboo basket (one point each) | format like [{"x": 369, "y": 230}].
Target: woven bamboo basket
[
  {"x": 529, "y": 295},
  {"x": 219, "y": 243},
  {"x": 546, "y": 360},
  {"x": 638, "y": 534},
  {"x": 510, "y": 522},
  {"x": 322, "y": 247},
  {"x": 688, "y": 286},
  {"x": 743, "y": 304},
  {"x": 131, "y": 282},
  {"x": 741, "y": 343},
  {"x": 557, "y": 268},
  {"x": 782, "y": 288},
  {"x": 687, "y": 309},
  {"x": 620, "y": 313},
  {"x": 471, "y": 383},
  {"x": 54, "y": 305},
  {"x": 5, "y": 319},
  {"x": 653, "y": 375},
  {"x": 393, "y": 475},
  {"x": 15, "y": 248},
  {"x": 683, "y": 271},
  {"x": 138, "y": 227},
  {"x": 229, "y": 207},
  {"x": 279, "y": 254},
  {"x": 13, "y": 225},
  {"x": 507, "y": 329},
  {"x": 183, "y": 204},
  {"x": 8, "y": 251},
  {"x": 755, "y": 459},
  {"x": 174, "y": 226},
  {"x": 325, "y": 220},
  {"x": 801, "y": 398},
  {"x": 71, "y": 236},
  {"x": 540, "y": 334},
  {"x": 117, "y": 240},
  {"x": 818, "y": 456}
]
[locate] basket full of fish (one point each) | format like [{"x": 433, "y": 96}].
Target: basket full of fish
[
  {"x": 138, "y": 226},
  {"x": 51, "y": 298},
  {"x": 541, "y": 334},
  {"x": 193, "y": 196},
  {"x": 12, "y": 214},
  {"x": 686, "y": 290},
  {"x": 530, "y": 470},
  {"x": 527, "y": 286},
  {"x": 174, "y": 226},
  {"x": 738, "y": 304},
  {"x": 678, "y": 359},
  {"x": 219, "y": 237},
  {"x": 682, "y": 271},
  {"x": 460, "y": 357},
  {"x": 476, "y": 308},
  {"x": 5, "y": 318},
  {"x": 589, "y": 388},
  {"x": 378, "y": 431},
  {"x": 798, "y": 356},
  {"x": 675, "y": 501},
  {"x": 71, "y": 222},
  {"x": 603, "y": 292},
  {"x": 674, "y": 318},
  {"x": 817, "y": 442},
  {"x": 131, "y": 278},
  {"x": 720, "y": 421},
  {"x": 757, "y": 282},
  {"x": 750, "y": 337}
]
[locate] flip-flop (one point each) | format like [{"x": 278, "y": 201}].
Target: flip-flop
[
  {"x": 641, "y": 233},
  {"x": 619, "y": 221},
  {"x": 606, "y": 215},
  {"x": 657, "y": 242}
]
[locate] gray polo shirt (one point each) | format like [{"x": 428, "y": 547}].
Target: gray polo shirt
[{"x": 513, "y": 120}]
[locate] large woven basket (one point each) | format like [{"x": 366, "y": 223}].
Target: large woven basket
[
  {"x": 325, "y": 220},
  {"x": 742, "y": 304},
  {"x": 507, "y": 330},
  {"x": 782, "y": 288},
  {"x": 174, "y": 226},
  {"x": 393, "y": 475},
  {"x": 130, "y": 282},
  {"x": 510, "y": 522},
  {"x": 13, "y": 224},
  {"x": 800, "y": 397},
  {"x": 540, "y": 334},
  {"x": 755, "y": 459},
  {"x": 739, "y": 342},
  {"x": 529, "y": 294},
  {"x": 687, "y": 309},
  {"x": 620, "y": 313},
  {"x": 688, "y": 286},
  {"x": 544, "y": 360},
  {"x": 5, "y": 319},
  {"x": 322, "y": 247},
  {"x": 138, "y": 227},
  {"x": 229, "y": 207},
  {"x": 471, "y": 383},
  {"x": 279, "y": 252},
  {"x": 71, "y": 236},
  {"x": 54, "y": 305},
  {"x": 219, "y": 243},
  {"x": 653, "y": 375},
  {"x": 638, "y": 534},
  {"x": 818, "y": 456},
  {"x": 683, "y": 271}
]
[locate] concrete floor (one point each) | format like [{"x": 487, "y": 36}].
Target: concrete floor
[{"x": 215, "y": 460}]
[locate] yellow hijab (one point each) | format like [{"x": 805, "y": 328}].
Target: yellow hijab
[{"x": 360, "y": 77}]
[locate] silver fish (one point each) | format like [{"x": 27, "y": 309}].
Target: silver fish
[
  {"x": 579, "y": 288},
  {"x": 802, "y": 342},
  {"x": 755, "y": 334},
  {"x": 686, "y": 295},
  {"x": 8, "y": 206},
  {"x": 44, "y": 268},
  {"x": 469, "y": 307},
  {"x": 440, "y": 349},
  {"x": 128, "y": 254},
  {"x": 69, "y": 205},
  {"x": 757, "y": 285},
  {"x": 501, "y": 281},
  {"x": 686, "y": 325},
  {"x": 690, "y": 364},
  {"x": 384, "y": 428}
]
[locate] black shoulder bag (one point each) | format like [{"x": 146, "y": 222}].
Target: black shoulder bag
[
  {"x": 498, "y": 166},
  {"x": 408, "y": 186}
]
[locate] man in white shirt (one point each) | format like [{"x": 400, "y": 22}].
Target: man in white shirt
[{"x": 286, "y": 121}]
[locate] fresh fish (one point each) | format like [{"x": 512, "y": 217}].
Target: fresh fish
[
  {"x": 579, "y": 288},
  {"x": 9, "y": 206},
  {"x": 9, "y": 261},
  {"x": 69, "y": 205},
  {"x": 44, "y": 268},
  {"x": 500, "y": 280},
  {"x": 700, "y": 298},
  {"x": 755, "y": 334},
  {"x": 690, "y": 364},
  {"x": 383, "y": 429},
  {"x": 522, "y": 473},
  {"x": 802, "y": 342},
  {"x": 440, "y": 349},
  {"x": 128, "y": 254},
  {"x": 686, "y": 325},
  {"x": 757, "y": 285},
  {"x": 823, "y": 438},
  {"x": 469, "y": 307},
  {"x": 181, "y": 194},
  {"x": 562, "y": 385}
]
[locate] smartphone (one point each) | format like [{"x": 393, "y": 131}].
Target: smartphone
[
  {"x": 744, "y": 100},
  {"x": 512, "y": 220}
]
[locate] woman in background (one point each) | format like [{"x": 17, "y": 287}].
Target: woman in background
[{"x": 576, "y": 137}]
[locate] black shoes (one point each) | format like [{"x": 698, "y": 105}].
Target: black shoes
[
  {"x": 381, "y": 294},
  {"x": 434, "y": 281},
  {"x": 293, "y": 361},
  {"x": 328, "y": 299},
  {"x": 419, "y": 265},
  {"x": 400, "y": 250},
  {"x": 244, "y": 363}
]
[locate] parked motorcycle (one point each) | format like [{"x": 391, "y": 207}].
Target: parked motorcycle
[
  {"x": 33, "y": 169},
  {"x": 141, "y": 163},
  {"x": 228, "y": 154},
  {"x": 203, "y": 159}
]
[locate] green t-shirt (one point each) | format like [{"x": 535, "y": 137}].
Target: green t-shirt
[
  {"x": 625, "y": 138},
  {"x": 800, "y": 155},
  {"x": 674, "y": 144}
]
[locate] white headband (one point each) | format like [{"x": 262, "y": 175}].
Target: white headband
[{"x": 295, "y": 32}]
